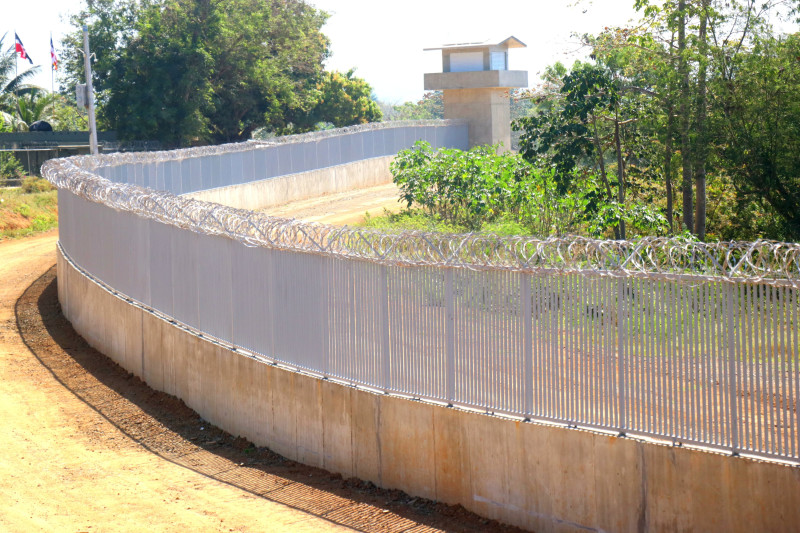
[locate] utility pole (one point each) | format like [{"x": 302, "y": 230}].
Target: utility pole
[{"x": 87, "y": 60}]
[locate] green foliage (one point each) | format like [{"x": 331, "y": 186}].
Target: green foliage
[
  {"x": 13, "y": 86},
  {"x": 411, "y": 220},
  {"x": 10, "y": 167},
  {"x": 480, "y": 189},
  {"x": 195, "y": 71},
  {"x": 344, "y": 100},
  {"x": 65, "y": 116},
  {"x": 761, "y": 130},
  {"x": 35, "y": 106},
  {"x": 23, "y": 214},
  {"x": 466, "y": 188},
  {"x": 160, "y": 87},
  {"x": 267, "y": 65},
  {"x": 112, "y": 26},
  {"x": 431, "y": 107},
  {"x": 32, "y": 184},
  {"x": 561, "y": 136}
]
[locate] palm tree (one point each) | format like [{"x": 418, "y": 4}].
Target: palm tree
[
  {"x": 35, "y": 106},
  {"x": 12, "y": 86}
]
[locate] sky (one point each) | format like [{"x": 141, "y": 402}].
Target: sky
[{"x": 384, "y": 40}]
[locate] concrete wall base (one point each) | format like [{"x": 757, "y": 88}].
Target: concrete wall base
[
  {"x": 271, "y": 192},
  {"x": 541, "y": 477}
]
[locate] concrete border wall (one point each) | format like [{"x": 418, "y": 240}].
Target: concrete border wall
[
  {"x": 191, "y": 170},
  {"x": 271, "y": 192},
  {"x": 541, "y": 477}
]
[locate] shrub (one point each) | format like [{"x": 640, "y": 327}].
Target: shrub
[
  {"x": 32, "y": 184},
  {"x": 10, "y": 167},
  {"x": 478, "y": 187}
]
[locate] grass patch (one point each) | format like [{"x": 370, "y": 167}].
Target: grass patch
[
  {"x": 410, "y": 220},
  {"x": 416, "y": 220},
  {"x": 27, "y": 210}
]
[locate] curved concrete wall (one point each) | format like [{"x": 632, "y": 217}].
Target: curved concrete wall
[
  {"x": 275, "y": 191},
  {"x": 541, "y": 477},
  {"x": 132, "y": 288}
]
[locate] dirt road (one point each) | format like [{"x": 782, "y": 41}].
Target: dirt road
[
  {"x": 88, "y": 447},
  {"x": 65, "y": 467},
  {"x": 343, "y": 208}
]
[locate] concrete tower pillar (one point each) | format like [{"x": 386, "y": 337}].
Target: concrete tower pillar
[{"x": 476, "y": 82}]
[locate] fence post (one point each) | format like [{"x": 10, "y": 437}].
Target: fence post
[
  {"x": 733, "y": 415},
  {"x": 450, "y": 337},
  {"x": 386, "y": 369},
  {"x": 527, "y": 336},
  {"x": 325, "y": 322},
  {"x": 621, "y": 355}
]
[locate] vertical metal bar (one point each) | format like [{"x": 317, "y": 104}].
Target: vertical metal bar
[
  {"x": 770, "y": 349},
  {"x": 551, "y": 349},
  {"x": 683, "y": 348},
  {"x": 745, "y": 381},
  {"x": 386, "y": 345},
  {"x": 539, "y": 355},
  {"x": 583, "y": 328},
  {"x": 621, "y": 358},
  {"x": 718, "y": 362},
  {"x": 792, "y": 369},
  {"x": 731, "y": 353},
  {"x": 610, "y": 393},
  {"x": 672, "y": 312},
  {"x": 527, "y": 340},
  {"x": 784, "y": 367},
  {"x": 568, "y": 355},
  {"x": 326, "y": 265},
  {"x": 775, "y": 400},
  {"x": 794, "y": 355},
  {"x": 706, "y": 361},
  {"x": 449, "y": 296},
  {"x": 761, "y": 415},
  {"x": 696, "y": 357},
  {"x": 661, "y": 358}
]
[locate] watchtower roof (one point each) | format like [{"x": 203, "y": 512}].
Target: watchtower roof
[{"x": 510, "y": 42}]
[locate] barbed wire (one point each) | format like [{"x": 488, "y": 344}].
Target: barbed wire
[
  {"x": 89, "y": 162},
  {"x": 768, "y": 262}
]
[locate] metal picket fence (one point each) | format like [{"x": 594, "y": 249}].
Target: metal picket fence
[{"x": 687, "y": 342}]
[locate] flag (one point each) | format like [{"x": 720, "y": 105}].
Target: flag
[
  {"x": 21, "y": 49},
  {"x": 53, "y": 58}
]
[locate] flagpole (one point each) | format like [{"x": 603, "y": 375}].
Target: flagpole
[
  {"x": 52, "y": 82},
  {"x": 89, "y": 91},
  {"x": 16, "y": 68}
]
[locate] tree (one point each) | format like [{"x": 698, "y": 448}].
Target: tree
[
  {"x": 10, "y": 167},
  {"x": 344, "y": 100},
  {"x": 684, "y": 54},
  {"x": 430, "y": 107},
  {"x": 159, "y": 87},
  {"x": 12, "y": 86},
  {"x": 761, "y": 128},
  {"x": 112, "y": 25},
  {"x": 267, "y": 65},
  {"x": 596, "y": 126},
  {"x": 35, "y": 106},
  {"x": 195, "y": 71}
]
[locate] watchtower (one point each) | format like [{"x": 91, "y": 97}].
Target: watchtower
[{"x": 476, "y": 81}]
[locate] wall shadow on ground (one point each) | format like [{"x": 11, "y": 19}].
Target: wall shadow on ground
[{"x": 165, "y": 426}]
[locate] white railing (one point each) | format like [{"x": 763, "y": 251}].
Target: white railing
[{"x": 688, "y": 342}]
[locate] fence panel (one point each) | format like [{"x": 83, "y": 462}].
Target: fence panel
[{"x": 689, "y": 342}]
